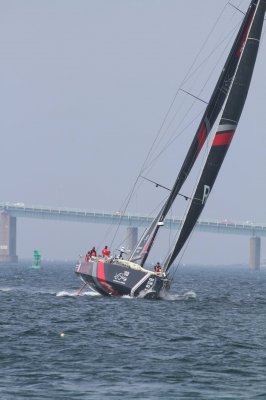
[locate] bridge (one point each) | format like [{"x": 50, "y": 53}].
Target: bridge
[{"x": 9, "y": 212}]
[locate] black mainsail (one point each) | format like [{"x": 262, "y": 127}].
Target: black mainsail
[
  {"x": 212, "y": 111},
  {"x": 246, "y": 52}
]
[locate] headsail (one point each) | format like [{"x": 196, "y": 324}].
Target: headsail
[
  {"x": 235, "y": 100},
  {"x": 212, "y": 111}
]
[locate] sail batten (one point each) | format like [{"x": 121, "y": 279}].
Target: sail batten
[
  {"x": 231, "y": 111},
  {"x": 213, "y": 110}
]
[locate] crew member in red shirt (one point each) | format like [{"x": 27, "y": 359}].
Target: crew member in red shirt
[
  {"x": 87, "y": 256},
  {"x": 93, "y": 252},
  {"x": 157, "y": 267},
  {"x": 106, "y": 252}
]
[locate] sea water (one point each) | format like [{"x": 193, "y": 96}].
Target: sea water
[{"x": 205, "y": 340}]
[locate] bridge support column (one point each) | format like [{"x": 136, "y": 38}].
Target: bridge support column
[
  {"x": 254, "y": 255},
  {"x": 132, "y": 237},
  {"x": 8, "y": 237}
]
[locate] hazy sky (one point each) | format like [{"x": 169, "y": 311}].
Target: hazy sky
[{"x": 85, "y": 85}]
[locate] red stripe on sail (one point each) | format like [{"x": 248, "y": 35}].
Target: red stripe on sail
[
  {"x": 201, "y": 137},
  {"x": 223, "y": 139},
  {"x": 144, "y": 250},
  {"x": 239, "y": 50}
]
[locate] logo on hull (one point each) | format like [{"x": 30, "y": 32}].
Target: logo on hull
[{"x": 121, "y": 277}]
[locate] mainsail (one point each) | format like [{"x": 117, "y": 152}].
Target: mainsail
[
  {"x": 212, "y": 111},
  {"x": 231, "y": 112}
]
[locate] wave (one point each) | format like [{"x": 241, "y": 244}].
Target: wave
[
  {"x": 67, "y": 293},
  {"x": 189, "y": 295},
  {"x": 6, "y": 289}
]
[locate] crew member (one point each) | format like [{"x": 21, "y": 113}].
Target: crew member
[
  {"x": 87, "y": 256},
  {"x": 106, "y": 252},
  {"x": 122, "y": 251},
  {"x": 157, "y": 267},
  {"x": 93, "y": 252}
]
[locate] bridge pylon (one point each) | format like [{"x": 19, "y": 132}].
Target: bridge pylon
[
  {"x": 254, "y": 254},
  {"x": 8, "y": 238},
  {"x": 132, "y": 237}
]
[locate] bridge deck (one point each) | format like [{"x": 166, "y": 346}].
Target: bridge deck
[{"x": 67, "y": 214}]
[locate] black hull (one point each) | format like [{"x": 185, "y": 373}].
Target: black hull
[{"x": 119, "y": 278}]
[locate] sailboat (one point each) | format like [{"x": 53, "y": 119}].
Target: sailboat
[{"x": 118, "y": 277}]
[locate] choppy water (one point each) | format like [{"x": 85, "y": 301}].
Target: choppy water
[{"x": 207, "y": 341}]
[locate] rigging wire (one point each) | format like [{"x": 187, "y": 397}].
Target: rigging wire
[
  {"x": 189, "y": 238},
  {"x": 208, "y": 141},
  {"x": 185, "y": 79},
  {"x": 171, "y": 140},
  {"x": 164, "y": 187},
  {"x": 196, "y": 97},
  {"x": 206, "y": 152},
  {"x": 157, "y": 139},
  {"x": 154, "y": 211}
]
